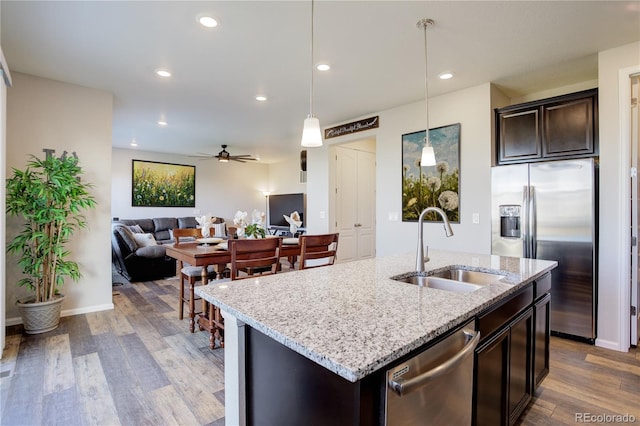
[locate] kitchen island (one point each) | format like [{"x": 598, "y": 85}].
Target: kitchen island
[{"x": 350, "y": 319}]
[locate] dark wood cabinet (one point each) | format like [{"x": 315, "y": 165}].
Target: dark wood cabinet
[
  {"x": 519, "y": 135},
  {"x": 555, "y": 128},
  {"x": 513, "y": 355},
  {"x": 491, "y": 381},
  {"x": 541, "y": 339},
  {"x": 520, "y": 389}
]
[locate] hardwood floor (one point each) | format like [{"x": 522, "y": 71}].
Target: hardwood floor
[{"x": 139, "y": 365}]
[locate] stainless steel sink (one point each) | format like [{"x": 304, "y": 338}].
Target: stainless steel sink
[
  {"x": 473, "y": 277},
  {"x": 454, "y": 279},
  {"x": 440, "y": 283}
]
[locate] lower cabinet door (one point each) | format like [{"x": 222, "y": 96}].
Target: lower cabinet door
[
  {"x": 520, "y": 389},
  {"x": 541, "y": 340},
  {"x": 491, "y": 381}
]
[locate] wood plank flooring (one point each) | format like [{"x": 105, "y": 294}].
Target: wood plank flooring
[{"x": 139, "y": 365}]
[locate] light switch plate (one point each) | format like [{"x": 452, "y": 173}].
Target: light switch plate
[{"x": 476, "y": 218}]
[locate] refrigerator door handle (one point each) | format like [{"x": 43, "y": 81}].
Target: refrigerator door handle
[
  {"x": 525, "y": 223},
  {"x": 533, "y": 235}
]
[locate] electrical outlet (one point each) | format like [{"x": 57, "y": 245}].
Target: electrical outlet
[
  {"x": 476, "y": 218},
  {"x": 322, "y": 215}
]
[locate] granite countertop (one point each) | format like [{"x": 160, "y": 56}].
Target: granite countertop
[{"x": 352, "y": 318}]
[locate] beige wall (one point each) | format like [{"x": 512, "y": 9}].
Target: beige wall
[
  {"x": 284, "y": 176},
  {"x": 472, "y": 109},
  {"x": 613, "y": 299},
  {"x": 221, "y": 188},
  {"x": 42, "y": 114}
]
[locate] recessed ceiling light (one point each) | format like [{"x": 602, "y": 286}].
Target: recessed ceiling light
[
  {"x": 163, "y": 73},
  {"x": 445, "y": 75},
  {"x": 323, "y": 67},
  {"x": 162, "y": 123},
  {"x": 133, "y": 143},
  {"x": 261, "y": 98},
  {"x": 208, "y": 21}
]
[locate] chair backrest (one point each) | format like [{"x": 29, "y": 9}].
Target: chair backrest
[
  {"x": 254, "y": 254},
  {"x": 322, "y": 246},
  {"x": 190, "y": 233}
]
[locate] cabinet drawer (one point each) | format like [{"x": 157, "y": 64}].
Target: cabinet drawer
[
  {"x": 542, "y": 285},
  {"x": 492, "y": 320}
]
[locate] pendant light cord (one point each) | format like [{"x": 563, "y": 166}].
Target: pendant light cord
[
  {"x": 425, "y": 23},
  {"x": 311, "y": 88}
]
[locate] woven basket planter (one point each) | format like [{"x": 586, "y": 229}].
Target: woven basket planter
[{"x": 40, "y": 317}]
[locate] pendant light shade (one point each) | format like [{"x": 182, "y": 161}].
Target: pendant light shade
[
  {"x": 311, "y": 135},
  {"x": 428, "y": 156}
]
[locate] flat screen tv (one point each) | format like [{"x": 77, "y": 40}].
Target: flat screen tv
[{"x": 281, "y": 204}]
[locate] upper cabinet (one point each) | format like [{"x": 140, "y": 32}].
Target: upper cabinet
[{"x": 549, "y": 129}]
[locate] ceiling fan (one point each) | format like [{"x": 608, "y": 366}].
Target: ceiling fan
[{"x": 224, "y": 156}]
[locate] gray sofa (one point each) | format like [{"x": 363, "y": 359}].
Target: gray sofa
[{"x": 141, "y": 262}]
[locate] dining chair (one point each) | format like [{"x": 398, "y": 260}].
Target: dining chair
[
  {"x": 262, "y": 254},
  {"x": 251, "y": 255},
  {"x": 189, "y": 273},
  {"x": 317, "y": 247}
]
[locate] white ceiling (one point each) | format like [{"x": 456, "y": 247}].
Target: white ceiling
[{"x": 374, "y": 47}]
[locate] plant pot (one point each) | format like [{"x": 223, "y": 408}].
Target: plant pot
[{"x": 42, "y": 316}]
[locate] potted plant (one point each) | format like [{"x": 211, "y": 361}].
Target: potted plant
[
  {"x": 255, "y": 230},
  {"x": 49, "y": 196}
]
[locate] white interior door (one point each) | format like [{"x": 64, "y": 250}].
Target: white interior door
[
  {"x": 355, "y": 204},
  {"x": 635, "y": 195},
  {"x": 366, "y": 220}
]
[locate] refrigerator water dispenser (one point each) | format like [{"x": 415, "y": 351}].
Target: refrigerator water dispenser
[{"x": 510, "y": 221}]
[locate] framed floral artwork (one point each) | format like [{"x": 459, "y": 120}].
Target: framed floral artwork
[
  {"x": 432, "y": 186},
  {"x": 157, "y": 184}
]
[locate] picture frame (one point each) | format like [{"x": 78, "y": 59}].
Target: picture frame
[
  {"x": 157, "y": 184},
  {"x": 431, "y": 186}
]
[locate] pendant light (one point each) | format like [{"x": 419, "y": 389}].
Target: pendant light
[
  {"x": 311, "y": 135},
  {"x": 428, "y": 156}
]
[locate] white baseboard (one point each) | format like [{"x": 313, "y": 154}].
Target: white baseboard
[
  {"x": 69, "y": 312},
  {"x": 610, "y": 344}
]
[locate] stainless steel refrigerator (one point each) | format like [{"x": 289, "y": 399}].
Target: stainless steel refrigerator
[{"x": 548, "y": 210}]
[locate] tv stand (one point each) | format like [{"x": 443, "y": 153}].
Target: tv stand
[{"x": 283, "y": 231}]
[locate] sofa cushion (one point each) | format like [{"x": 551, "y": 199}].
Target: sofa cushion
[
  {"x": 162, "y": 226},
  {"x": 151, "y": 251},
  {"x": 147, "y": 225},
  {"x": 136, "y": 229},
  {"x": 126, "y": 236},
  {"x": 187, "y": 222},
  {"x": 144, "y": 240}
]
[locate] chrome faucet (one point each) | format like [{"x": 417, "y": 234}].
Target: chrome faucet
[{"x": 422, "y": 255}]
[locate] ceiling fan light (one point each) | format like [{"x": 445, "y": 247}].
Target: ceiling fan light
[
  {"x": 428, "y": 157},
  {"x": 223, "y": 160},
  {"x": 311, "y": 135}
]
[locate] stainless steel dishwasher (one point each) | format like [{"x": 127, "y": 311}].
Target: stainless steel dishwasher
[{"x": 436, "y": 386}]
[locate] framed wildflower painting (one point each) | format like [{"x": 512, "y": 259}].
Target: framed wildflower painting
[
  {"x": 432, "y": 186},
  {"x": 162, "y": 185}
]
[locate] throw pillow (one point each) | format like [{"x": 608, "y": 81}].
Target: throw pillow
[
  {"x": 219, "y": 229},
  {"x": 136, "y": 229},
  {"x": 145, "y": 240}
]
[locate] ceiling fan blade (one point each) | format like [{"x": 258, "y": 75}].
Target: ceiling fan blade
[
  {"x": 202, "y": 155},
  {"x": 239, "y": 160}
]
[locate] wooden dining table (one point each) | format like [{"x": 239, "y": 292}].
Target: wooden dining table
[{"x": 216, "y": 255}]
